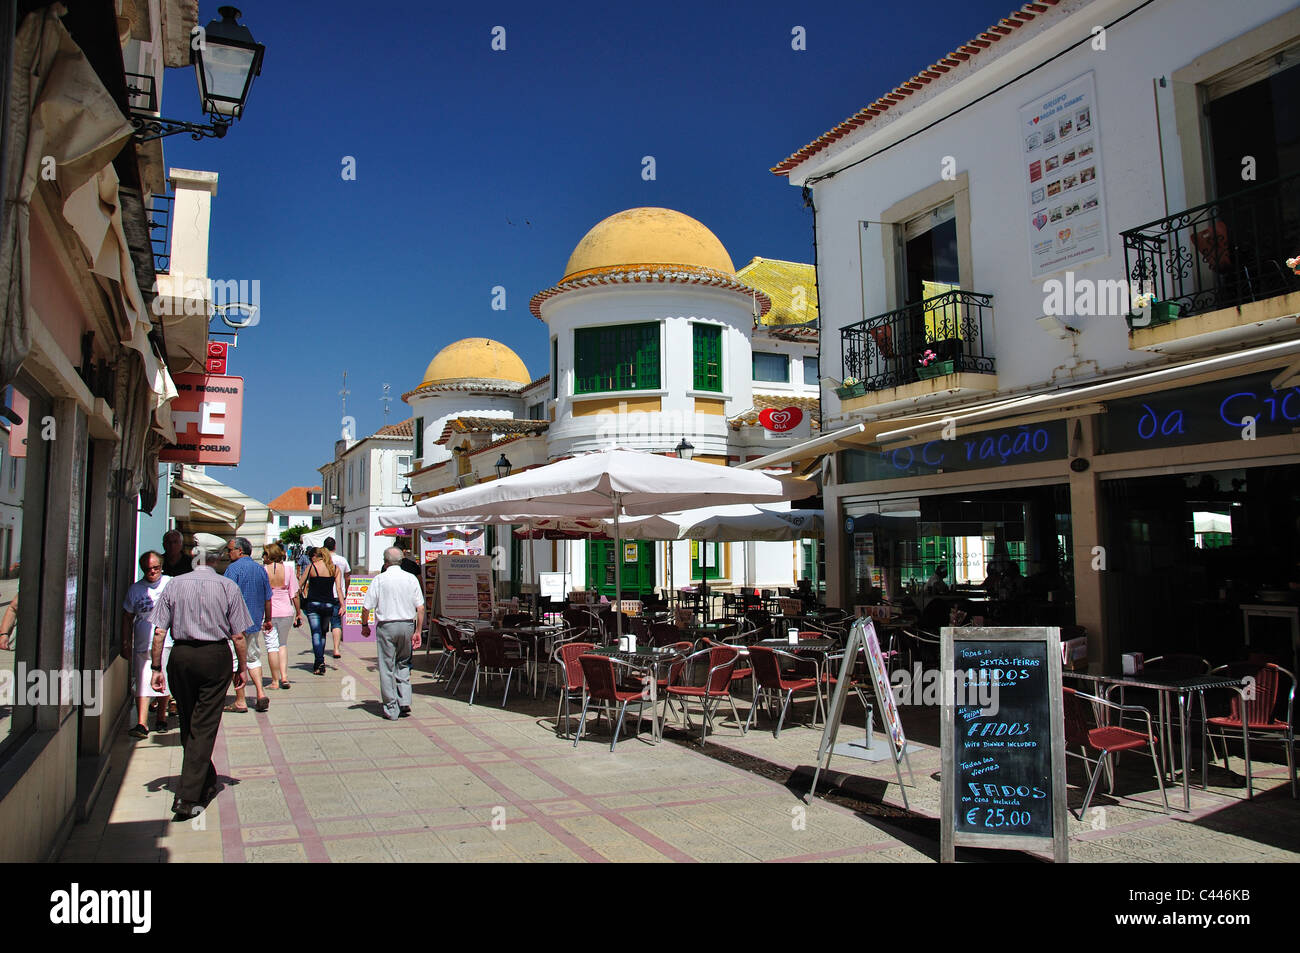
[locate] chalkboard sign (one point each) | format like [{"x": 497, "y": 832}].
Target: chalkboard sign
[{"x": 1002, "y": 738}]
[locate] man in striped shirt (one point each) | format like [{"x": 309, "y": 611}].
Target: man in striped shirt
[{"x": 206, "y": 614}]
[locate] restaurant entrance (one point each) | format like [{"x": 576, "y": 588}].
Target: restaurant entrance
[
  {"x": 1205, "y": 563},
  {"x": 638, "y": 568},
  {"x": 1001, "y": 555}
]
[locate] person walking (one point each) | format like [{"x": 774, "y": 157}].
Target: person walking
[
  {"x": 137, "y": 637},
  {"x": 284, "y": 613},
  {"x": 252, "y": 582},
  {"x": 207, "y": 616},
  {"x": 395, "y": 597},
  {"x": 319, "y": 599},
  {"x": 345, "y": 567},
  {"x": 175, "y": 561}
]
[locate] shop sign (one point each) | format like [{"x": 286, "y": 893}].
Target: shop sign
[
  {"x": 781, "y": 421},
  {"x": 208, "y": 415},
  {"x": 1244, "y": 407},
  {"x": 1007, "y": 446}
]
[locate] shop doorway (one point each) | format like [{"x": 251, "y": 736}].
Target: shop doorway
[{"x": 638, "y": 568}]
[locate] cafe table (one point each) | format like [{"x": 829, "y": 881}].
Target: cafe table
[
  {"x": 1169, "y": 689},
  {"x": 650, "y": 662}
]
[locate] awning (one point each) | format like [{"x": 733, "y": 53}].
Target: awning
[
  {"x": 317, "y": 537},
  {"x": 208, "y": 507},
  {"x": 1023, "y": 408}
]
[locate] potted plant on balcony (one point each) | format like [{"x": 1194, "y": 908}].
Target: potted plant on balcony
[
  {"x": 1148, "y": 311},
  {"x": 931, "y": 366},
  {"x": 851, "y": 387}
]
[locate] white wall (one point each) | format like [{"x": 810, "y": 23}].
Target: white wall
[
  {"x": 437, "y": 407},
  {"x": 984, "y": 140}
]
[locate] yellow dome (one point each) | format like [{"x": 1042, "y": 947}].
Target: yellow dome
[
  {"x": 648, "y": 236},
  {"x": 476, "y": 359}
]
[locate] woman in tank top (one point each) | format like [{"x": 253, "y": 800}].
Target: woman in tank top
[
  {"x": 284, "y": 614},
  {"x": 318, "y": 599}
]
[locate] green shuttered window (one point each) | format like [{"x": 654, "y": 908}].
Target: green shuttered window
[
  {"x": 708, "y": 357},
  {"x": 622, "y": 357}
]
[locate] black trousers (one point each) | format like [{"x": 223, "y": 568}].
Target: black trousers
[{"x": 198, "y": 674}]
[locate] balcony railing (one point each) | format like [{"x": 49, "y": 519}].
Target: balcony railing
[
  {"x": 1221, "y": 254},
  {"x": 891, "y": 349},
  {"x": 160, "y": 219}
]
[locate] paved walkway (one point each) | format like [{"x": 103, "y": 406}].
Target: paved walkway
[{"x": 322, "y": 777}]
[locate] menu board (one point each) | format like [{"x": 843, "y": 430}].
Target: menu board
[
  {"x": 1002, "y": 736},
  {"x": 465, "y": 587},
  {"x": 357, "y": 588},
  {"x": 884, "y": 690},
  {"x": 1061, "y": 159}
]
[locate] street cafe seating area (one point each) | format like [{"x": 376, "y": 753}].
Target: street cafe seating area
[{"x": 773, "y": 662}]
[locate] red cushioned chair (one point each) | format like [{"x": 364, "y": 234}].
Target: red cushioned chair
[
  {"x": 1106, "y": 739},
  {"x": 768, "y": 678},
  {"x": 715, "y": 688},
  {"x": 566, "y": 657},
  {"x": 493, "y": 659},
  {"x": 1261, "y": 722},
  {"x": 602, "y": 686}
]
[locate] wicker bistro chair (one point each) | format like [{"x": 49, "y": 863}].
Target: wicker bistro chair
[
  {"x": 1260, "y": 722},
  {"x": 493, "y": 659},
  {"x": 602, "y": 686},
  {"x": 1106, "y": 739},
  {"x": 716, "y": 686},
  {"x": 571, "y": 681},
  {"x": 769, "y": 679}
]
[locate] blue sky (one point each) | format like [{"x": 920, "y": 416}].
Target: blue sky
[{"x": 477, "y": 168}]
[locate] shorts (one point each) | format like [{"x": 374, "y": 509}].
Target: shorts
[
  {"x": 252, "y": 648},
  {"x": 143, "y": 669},
  {"x": 283, "y": 624},
  {"x": 336, "y": 620}
]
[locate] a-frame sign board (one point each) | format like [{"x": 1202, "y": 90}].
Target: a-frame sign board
[
  {"x": 863, "y": 637},
  {"x": 1003, "y": 741}
]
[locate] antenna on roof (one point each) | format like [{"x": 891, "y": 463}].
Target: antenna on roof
[
  {"x": 344, "y": 393},
  {"x": 386, "y": 400}
]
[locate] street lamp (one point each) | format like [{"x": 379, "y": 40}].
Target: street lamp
[
  {"x": 684, "y": 450},
  {"x": 503, "y": 467},
  {"x": 226, "y": 58},
  {"x": 406, "y": 495}
]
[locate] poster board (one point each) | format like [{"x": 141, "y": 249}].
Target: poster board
[
  {"x": 555, "y": 585},
  {"x": 464, "y": 587},
  {"x": 863, "y": 638},
  {"x": 1002, "y": 741},
  {"x": 1061, "y": 160}
]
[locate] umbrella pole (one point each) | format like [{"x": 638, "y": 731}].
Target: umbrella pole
[{"x": 618, "y": 572}]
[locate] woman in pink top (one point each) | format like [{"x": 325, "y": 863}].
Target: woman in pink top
[{"x": 284, "y": 586}]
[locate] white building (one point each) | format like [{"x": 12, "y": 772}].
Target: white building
[
  {"x": 296, "y": 506},
  {"x": 980, "y": 231},
  {"x": 366, "y": 477},
  {"x": 654, "y": 340}
]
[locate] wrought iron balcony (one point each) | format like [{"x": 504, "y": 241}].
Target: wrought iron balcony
[
  {"x": 160, "y": 217},
  {"x": 1221, "y": 254},
  {"x": 945, "y": 334}
]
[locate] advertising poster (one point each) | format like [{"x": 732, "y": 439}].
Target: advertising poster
[
  {"x": 1061, "y": 158},
  {"x": 465, "y": 587}
]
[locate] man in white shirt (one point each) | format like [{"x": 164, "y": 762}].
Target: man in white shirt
[
  {"x": 395, "y": 597},
  {"x": 345, "y": 567},
  {"x": 137, "y": 639}
]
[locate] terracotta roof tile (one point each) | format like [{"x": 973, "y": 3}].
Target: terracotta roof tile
[
  {"x": 809, "y": 405},
  {"x": 293, "y": 500},
  {"x": 405, "y": 429},
  {"x": 500, "y": 425}
]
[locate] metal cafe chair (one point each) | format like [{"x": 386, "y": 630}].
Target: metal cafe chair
[
  {"x": 715, "y": 688},
  {"x": 1107, "y": 740},
  {"x": 493, "y": 659},
  {"x": 769, "y": 680},
  {"x": 1259, "y": 721},
  {"x": 465, "y": 652},
  {"x": 571, "y": 681},
  {"x": 601, "y": 685}
]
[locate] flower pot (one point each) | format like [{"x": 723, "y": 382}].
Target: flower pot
[
  {"x": 1162, "y": 312},
  {"x": 935, "y": 369},
  {"x": 850, "y": 390}
]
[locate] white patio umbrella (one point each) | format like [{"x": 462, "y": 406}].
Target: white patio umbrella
[{"x": 613, "y": 483}]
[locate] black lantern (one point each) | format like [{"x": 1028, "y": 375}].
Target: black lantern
[
  {"x": 226, "y": 58},
  {"x": 503, "y": 467},
  {"x": 684, "y": 450},
  {"x": 406, "y": 495}
]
